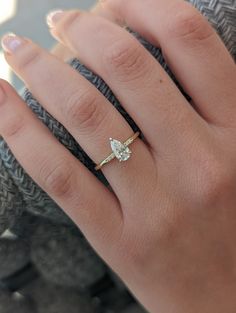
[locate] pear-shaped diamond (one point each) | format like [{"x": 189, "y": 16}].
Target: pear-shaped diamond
[{"x": 121, "y": 152}]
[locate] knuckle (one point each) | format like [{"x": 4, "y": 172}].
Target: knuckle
[
  {"x": 136, "y": 255},
  {"x": 14, "y": 126},
  {"x": 56, "y": 179},
  {"x": 216, "y": 179},
  {"x": 126, "y": 59},
  {"x": 83, "y": 111},
  {"x": 140, "y": 247},
  {"x": 189, "y": 24}
]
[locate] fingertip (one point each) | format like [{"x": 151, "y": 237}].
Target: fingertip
[
  {"x": 56, "y": 21},
  {"x": 11, "y": 42},
  {"x": 54, "y": 16}
]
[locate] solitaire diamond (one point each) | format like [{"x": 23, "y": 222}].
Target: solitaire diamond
[{"x": 121, "y": 152}]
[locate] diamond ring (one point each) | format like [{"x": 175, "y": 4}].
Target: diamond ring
[{"x": 120, "y": 150}]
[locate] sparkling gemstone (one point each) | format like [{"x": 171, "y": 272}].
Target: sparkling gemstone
[{"x": 121, "y": 152}]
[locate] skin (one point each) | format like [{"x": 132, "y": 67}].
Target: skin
[
  {"x": 168, "y": 226},
  {"x": 63, "y": 52}
]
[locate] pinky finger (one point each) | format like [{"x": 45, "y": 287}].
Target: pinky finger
[{"x": 93, "y": 207}]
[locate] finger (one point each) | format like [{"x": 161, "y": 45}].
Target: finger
[
  {"x": 84, "y": 112},
  {"x": 62, "y": 52},
  {"x": 111, "y": 15},
  {"x": 137, "y": 79},
  {"x": 194, "y": 51},
  {"x": 68, "y": 182}
]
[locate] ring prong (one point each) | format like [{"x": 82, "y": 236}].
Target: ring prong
[{"x": 117, "y": 146}]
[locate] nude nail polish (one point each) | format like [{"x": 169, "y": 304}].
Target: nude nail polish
[
  {"x": 53, "y": 17},
  {"x": 11, "y": 42}
]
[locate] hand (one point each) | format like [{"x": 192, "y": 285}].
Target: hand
[{"x": 168, "y": 228}]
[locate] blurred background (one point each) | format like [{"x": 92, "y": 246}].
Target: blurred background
[{"x": 27, "y": 18}]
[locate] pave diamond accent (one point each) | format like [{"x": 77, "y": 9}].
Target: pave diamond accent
[{"x": 121, "y": 151}]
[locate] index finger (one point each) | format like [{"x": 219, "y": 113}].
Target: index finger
[{"x": 67, "y": 181}]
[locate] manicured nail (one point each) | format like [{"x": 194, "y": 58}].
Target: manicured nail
[
  {"x": 11, "y": 42},
  {"x": 54, "y": 16}
]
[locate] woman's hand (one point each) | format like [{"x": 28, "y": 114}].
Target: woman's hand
[{"x": 168, "y": 228}]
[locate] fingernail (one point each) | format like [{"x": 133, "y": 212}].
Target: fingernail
[
  {"x": 10, "y": 42},
  {"x": 54, "y": 16}
]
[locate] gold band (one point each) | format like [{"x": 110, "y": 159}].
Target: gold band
[{"x": 112, "y": 155}]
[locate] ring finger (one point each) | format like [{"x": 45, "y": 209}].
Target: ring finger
[{"x": 136, "y": 78}]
